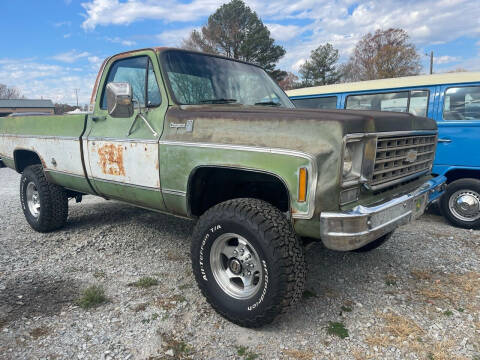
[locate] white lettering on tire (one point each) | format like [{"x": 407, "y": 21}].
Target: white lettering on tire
[
  {"x": 264, "y": 291},
  {"x": 202, "y": 248}
]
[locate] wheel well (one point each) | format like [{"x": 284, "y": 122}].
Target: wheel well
[
  {"x": 24, "y": 158},
  {"x": 456, "y": 174},
  {"x": 209, "y": 186}
]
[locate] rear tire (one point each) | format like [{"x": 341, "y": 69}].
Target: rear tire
[
  {"x": 45, "y": 205},
  {"x": 460, "y": 204},
  {"x": 374, "y": 244},
  {"x": 247, "y": 261}
]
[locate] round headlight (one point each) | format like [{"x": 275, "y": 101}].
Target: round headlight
[{"x": 347, "y": 162}]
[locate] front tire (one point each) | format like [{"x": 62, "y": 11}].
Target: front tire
[
  {"x": 44, "y": 205},
  {"x": 247, "y": 261},
  {"x": 460, "y": 204}
]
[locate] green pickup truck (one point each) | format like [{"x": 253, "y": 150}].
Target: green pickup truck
[{"x": 216, "y": 140}]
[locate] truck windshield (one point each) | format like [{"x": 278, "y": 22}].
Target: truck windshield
[{"x": 203, "y": 79}]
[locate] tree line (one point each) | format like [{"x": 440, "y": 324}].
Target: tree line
[{"x": 236, "y": 31}]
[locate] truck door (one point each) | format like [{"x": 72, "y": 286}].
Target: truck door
[
  {"x": 123, "y": 153},
  {"x": 458, "y": 118}
]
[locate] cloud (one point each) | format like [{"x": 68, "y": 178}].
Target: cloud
[
  {"x": 38, "y": 80},
  {"x": 106, "y": 12},
  {"x": 284, "y": 32},
  {"x": 174, "y": 37},
  {"x": 118, "y": 40},
  {"x": 62, "y": 23},
  {"x": 66, "y": 36},
  {"x": 446, "y": 59},
  {"x": 302, "y": 25},
  {"x": 70, "y": 56}
]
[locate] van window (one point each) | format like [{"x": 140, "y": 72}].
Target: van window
[
  {"x": 462, "y": 103},
  {"x": 414, "y": 102},
  {"x": 328, "y": 102}
]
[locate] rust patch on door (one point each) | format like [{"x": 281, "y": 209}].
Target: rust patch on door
[{"x": 111, "y": 159}]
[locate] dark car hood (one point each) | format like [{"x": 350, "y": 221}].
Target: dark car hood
[{"x": 352, "y": 121}]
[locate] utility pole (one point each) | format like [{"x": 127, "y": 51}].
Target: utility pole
[
  {"x": 431, "y": 61},
  {"x": 76, "y": 93}
]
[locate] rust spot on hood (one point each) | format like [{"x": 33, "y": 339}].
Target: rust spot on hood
[{"x": 111, "y": 159}]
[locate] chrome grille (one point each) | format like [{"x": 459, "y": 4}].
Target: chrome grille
[{"x": 400, "y": 157}]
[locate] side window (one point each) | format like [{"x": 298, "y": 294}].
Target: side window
[
  {"x": 414, "y": 102},
  {"x": 418, "y": 102},
  {"x": 154, "y": 98},
  {"x": 397, "y": 101},
  {"x": 134, "y": 71},
  {"x": 462, "y": 103},
  {"x": 327, "y": 102}
]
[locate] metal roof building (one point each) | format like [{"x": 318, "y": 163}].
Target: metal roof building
[{"x": 8, "y": 106}]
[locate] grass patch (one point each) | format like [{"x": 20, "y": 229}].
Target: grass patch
[
  {"x": 421, "y": 274},
  {"x": 390, "y": 280},
  {"x": 447, "y": 313},
  {"x": 99, "y": 274},
  {"x": 241, "y": 350},
  {"x": 402, "y": 327},
  {"x": 92, "y": 296},
  {"x": 180, "y": 348},
  {"x": 308, "y": 294},
  {"x": 168, "y": 303},
  {"x": 144, "y": 282},
  {"x": 338, "y": 329},
  {"x": 299, "y": 354},
  {"x": 245, "y": 353},
  {"x": 346, "y": 309}
]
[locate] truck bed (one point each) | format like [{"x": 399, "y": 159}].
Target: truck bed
[{"x": 54, "y": 139}]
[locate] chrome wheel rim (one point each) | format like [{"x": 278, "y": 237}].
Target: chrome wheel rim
[
  {"x": 236, "y": 266},
  {"x": 33, "y": 199},
  {"x": 465, "y": 205}
]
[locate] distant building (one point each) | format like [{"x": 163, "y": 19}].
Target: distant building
[{"x": 9, "y": 106}]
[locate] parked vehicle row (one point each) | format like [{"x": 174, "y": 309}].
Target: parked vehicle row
[
  {"x": 214, "y": 139},
  {"x": 452, "y": 100}
]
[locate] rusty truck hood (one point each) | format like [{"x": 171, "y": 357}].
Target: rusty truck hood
[{"x": 351, "y": 121}]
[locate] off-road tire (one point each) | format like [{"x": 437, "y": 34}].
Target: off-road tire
[
  {"x": 273, "y": 238},
  {"x": 452, "y": 188},
  {"x": 375, "y": 243},
  {"x": 53, "y": 201}
]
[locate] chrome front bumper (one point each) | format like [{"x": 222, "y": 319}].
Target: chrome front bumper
[{"x": 351, "y": 230}]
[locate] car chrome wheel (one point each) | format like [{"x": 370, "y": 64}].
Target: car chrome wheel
[
  {"x": 236, "y": 266},
  {"x": 33, "y": 199},
  {"x": 465, "y": 205}
]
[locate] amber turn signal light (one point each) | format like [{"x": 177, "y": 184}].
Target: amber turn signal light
[{"x": 302, "y": 185}]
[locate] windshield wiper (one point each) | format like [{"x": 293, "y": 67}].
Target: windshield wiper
[
  {"x": 218, "y": 101},
  {"x": 268, "y": 103}
]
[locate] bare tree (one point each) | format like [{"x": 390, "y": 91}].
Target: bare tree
[
  {"x": 289, "y": 82},
  {"x": 383, "y": 54},
  {"x": 63, "y": 108},
  {"x": 10, "y": 92}
]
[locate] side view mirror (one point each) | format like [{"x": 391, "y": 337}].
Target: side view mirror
[{"x": 119, "y": 99}]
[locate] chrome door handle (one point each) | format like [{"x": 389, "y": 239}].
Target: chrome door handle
[{"x": 444, "y": 140}]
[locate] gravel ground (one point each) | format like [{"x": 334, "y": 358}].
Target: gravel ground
[{"x": 416, "y": 297}]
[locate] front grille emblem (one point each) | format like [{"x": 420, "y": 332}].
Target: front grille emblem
[{"x": 411, "y": 156}]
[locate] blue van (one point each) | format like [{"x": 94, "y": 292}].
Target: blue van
[{"x": 452, "y": 99}]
